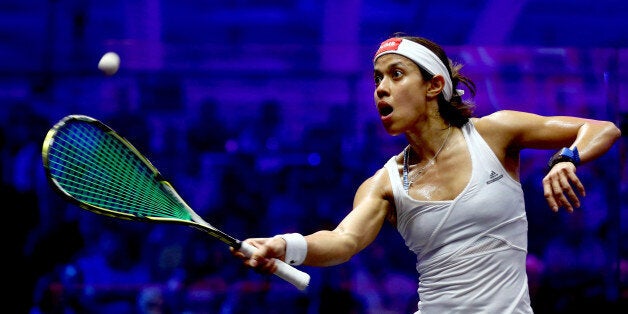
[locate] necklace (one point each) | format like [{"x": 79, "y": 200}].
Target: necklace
[{"x": 406, "y": 156}]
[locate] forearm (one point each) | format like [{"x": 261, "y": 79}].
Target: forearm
[
  {"x": 595, "y": 138},
  {"x": 329, "y": 248}
]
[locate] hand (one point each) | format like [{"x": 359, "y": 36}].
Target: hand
[
  {"x": 558, "y": 187},
  {"x": 263, "y": 260}
]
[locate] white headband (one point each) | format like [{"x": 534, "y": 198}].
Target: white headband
[{"x": 421, "y": 55}]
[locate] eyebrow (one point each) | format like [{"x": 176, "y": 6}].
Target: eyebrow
[{"x": 394, "y": 64}]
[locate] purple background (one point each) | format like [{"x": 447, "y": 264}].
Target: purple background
[{"x": 261, "y": 115}]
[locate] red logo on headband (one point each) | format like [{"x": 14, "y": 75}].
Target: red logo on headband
[{"x": 388, "y": 45}]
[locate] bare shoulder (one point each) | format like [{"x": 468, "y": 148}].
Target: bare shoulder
[
  {"x": 504, "y": 119},
  {"x": 377, "y": 186},
  {"x": 507, "y": 126},
  {"x": 501, "y": 130},
  {"x": 498, "y": 126},
  {"x": 375, "y": 193}
]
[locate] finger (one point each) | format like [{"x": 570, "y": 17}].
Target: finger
[
  {"x": 255, "y": 261},
  {"x": 237, "y": 253},
  {"x": 267, "y": 267},
  {"x": 548, "y": 194},
  {"x": 567, "y": 189},
  {"x": 575, "y": 181},
  {"x": 571, "y": 195},
  {"x": 557, "y": 190},
  {"x": 570, "y": 200},
  {"x": 262, "y": 265},
  {"x": 261, "y": 256}
]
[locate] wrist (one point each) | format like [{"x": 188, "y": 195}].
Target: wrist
[
  {"x": 296, "y": 248},
  {"x": 565, "y": 155}
]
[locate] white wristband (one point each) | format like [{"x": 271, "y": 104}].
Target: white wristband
[{"x": 296, "y": 248}]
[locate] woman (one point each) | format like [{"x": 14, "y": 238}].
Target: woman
[{"x": 453, "y": 193}]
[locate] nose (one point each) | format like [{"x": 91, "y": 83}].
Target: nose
[{"x": 382, "y": 89}]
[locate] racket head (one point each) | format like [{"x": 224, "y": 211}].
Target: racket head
[{"x": 94, "y": 167}]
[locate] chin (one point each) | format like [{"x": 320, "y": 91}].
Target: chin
[{"x": 392, "y": 131}]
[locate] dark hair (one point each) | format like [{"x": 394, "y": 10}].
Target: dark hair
[{"x": 455, "y": 111}]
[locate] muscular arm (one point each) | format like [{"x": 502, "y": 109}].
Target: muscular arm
[
  {"x": 511, "y": 131},
  {"x": 526, "y": 130},
  {"x": 508, "y": 132},
  {"x": 357, "y": 230}
]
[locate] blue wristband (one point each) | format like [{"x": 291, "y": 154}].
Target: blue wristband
[{"x": 565, "y": 154}]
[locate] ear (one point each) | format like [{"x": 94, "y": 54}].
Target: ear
[{"x": 436, "y": 85}]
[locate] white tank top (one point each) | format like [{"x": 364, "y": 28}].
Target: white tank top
[{"x": 471, "y": 251}]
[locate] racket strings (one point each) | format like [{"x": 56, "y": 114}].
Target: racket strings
[
  {"x": 110, "y": 160},
  {"x": 97, "y": 168},
  {"x": 90, "y": 183},
  {"x": 104, "y": 170},
  {"x": 99, "y": 186},
  {"x": 105, "y": 160},
  {"x": 81, "y": 179}
]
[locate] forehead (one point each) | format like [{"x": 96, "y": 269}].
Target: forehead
[{"x": 392, "y": 59}]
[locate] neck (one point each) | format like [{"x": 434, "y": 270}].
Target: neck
[
  {"x": 409, "y": 179},
  {"x": 428, "y": 145}
]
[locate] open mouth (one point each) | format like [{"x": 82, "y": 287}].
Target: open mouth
[{"x": 385, "y": 110}]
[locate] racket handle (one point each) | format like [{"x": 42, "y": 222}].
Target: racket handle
[{"x": 299, "y": 279}]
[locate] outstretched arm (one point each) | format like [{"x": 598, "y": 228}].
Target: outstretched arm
[{"x": 331, "y": 247}]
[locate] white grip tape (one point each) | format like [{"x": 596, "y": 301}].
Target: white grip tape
[{"x": 299, "y": 279}]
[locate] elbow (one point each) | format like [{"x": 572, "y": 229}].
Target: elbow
[
  {"x": 614, "y": 133},
  {"x": 350, "y": 249},
  {"x": 607, "y": 132}
]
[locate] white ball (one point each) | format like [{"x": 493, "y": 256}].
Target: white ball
[{"x": 109, "y": 63}]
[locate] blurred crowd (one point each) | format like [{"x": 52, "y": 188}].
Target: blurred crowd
[
  {"x": 255, "y": 112},
  {"x": 253, "y": 180}
]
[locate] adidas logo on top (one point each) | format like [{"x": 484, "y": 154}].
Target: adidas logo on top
[{"x": 494, "y": 176}]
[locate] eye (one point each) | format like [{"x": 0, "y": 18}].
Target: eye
[
  {"x": 377, "y": 78},
  {"x": 397, "y": 73}
]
